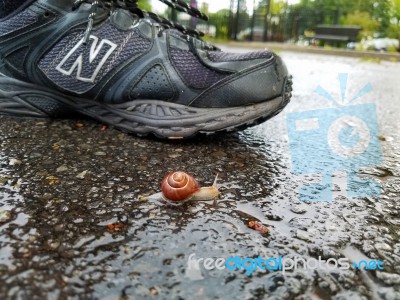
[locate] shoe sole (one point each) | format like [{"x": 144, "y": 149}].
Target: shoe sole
[{"x": 142, "y": 117}]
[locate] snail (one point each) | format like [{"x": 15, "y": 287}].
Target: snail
[{"x": 178, "y": 187}]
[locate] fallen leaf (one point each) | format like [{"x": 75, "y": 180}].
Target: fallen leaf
[
  {"x": 79, "y": 124},
  {"x": 257, "y": 226},
  {"x": 4, "y": 179},
  {"x": 52, "y": 180},
  {"x": 153, "y": 291},
  {"x": 116, "y": 227}
]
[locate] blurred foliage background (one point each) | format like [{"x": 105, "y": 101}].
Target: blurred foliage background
[{"x": 285, "y": 21}]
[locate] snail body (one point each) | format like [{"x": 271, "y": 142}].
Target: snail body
[{"x": 180, "y": 187}]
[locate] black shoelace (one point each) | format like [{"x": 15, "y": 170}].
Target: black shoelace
[{"x": 132, "y": 6}]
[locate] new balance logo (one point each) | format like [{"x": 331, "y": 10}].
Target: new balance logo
[{"x": 78, "y": 64}]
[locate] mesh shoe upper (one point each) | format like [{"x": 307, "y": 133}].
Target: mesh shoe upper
[
  {"x": 219, "y": 56},
  {"x": 192, "y": 71},
  {"x": 69, "y": 55},
  {"x": 21, "y": 20}
]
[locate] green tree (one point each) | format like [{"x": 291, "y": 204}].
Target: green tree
[
  {"x": 395, "y": 14},
  {"x": 241, "y": 18},
  {"x": 204, "y": 8},
  {"x": 277, "y": 18},
  {"x": 145, "y": 5},
  {"x": 369, "y": 26},
  {"x": 277, "y": 7},
  {"x": 307, "y": 14},
  {"x": 381, "y": 13},
  {"x": 220, "y": 20}
]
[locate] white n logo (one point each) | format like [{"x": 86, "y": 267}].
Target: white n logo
[{"x": 78, "y": 63}]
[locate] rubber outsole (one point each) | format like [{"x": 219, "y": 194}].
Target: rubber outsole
[{"x": 142, "y": 117}]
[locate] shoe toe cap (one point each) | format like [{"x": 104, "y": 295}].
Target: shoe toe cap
[{"x": 258, "y": 83}]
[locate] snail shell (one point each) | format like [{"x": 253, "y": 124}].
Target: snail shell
[{"x": 179, "y": 186}]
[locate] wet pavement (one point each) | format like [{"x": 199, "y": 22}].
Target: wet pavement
[{"x": 75, "y": 222}]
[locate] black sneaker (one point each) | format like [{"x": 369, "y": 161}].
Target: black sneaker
[{"x": 132, "y": 69}]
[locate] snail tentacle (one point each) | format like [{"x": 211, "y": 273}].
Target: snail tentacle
[{"x": 206, "y": 193}]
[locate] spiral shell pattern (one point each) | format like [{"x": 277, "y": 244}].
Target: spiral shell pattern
[{"x": 179, "y": 186}]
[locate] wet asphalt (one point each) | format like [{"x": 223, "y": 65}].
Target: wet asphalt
[{"x": 76, "y": 223}]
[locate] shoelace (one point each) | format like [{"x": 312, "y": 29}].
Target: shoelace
[{"x": 132, "y": 6}]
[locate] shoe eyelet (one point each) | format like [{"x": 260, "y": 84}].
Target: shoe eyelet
[{"x": 46, "y": 14}]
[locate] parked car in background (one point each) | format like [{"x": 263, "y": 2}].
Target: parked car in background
[
  {"x": 353, "y": 46},
  {"x": 380, "y": 44}
]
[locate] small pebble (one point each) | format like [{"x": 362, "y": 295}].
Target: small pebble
[
  {"x": 100, "y": 153},
  {"x": 5, "y": 216},
  {"x": 297, "y": 210},
  {"x": 383, "y": 246},
  {"x": 388, "y": 278},
  {"x": 303, "y": 235},
  {"x": 62, "y": 168},
  {"x": 82, "y": 175},
  {"x": 14, "y": 162}
]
